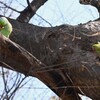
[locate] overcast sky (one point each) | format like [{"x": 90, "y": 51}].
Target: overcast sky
[{"x": 58, "y": 12}]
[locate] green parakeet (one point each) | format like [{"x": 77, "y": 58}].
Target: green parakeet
[
  {"x": 96, "y": 47},
  {"x": 5, "y": 27}
]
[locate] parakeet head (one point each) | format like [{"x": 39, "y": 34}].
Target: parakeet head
[
  {"x": 5, "y": 26},
  {"x": 96, "y": 47},
  {"x": 3, "y": 21}
]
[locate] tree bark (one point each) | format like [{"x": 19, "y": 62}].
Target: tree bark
[
  {"x": 30, "y": 10},
  {"x": 61, "y": 57}
]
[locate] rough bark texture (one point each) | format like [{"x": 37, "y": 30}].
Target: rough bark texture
[{"x": 69, "y": 65}]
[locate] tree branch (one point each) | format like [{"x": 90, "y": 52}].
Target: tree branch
[
  {"x": 11, "y": 54},
  {"x": 10, "y": 7},
  {"x": 30, "y": 10},
  {"x": 69, "y": 64}
]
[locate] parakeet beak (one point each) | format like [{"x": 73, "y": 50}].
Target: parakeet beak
[{"x": 1, "y": 27}]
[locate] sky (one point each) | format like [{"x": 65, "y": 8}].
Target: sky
[{"x": 56, "y": 12}]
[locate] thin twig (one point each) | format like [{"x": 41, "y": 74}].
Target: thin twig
[
  {"x": 5, "y": 84},
  {"x": 95, "y": 34},
  {"x": 75, "y": 37},
  {"x": 44, "y": 20},
  {"x": 21, "y": 11},
  {"x": 13, "y": 92},
  {"x": 10, "y": 7},
  {"x": 5, "y": 64}
]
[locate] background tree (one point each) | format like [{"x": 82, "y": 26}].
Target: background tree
[{"x": 61, "y": 56}]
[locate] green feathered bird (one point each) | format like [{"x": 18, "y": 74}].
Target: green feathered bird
[
  {"x": 96, "y": 48},
  {"x": 5, "y": 27}
]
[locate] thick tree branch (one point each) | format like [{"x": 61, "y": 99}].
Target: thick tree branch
[
  {"x": 12, "y": 52},
  {"x": 30, "y": 10},
  {"x": 16, "y": 58},
  {"x": 66, "y": 51}
]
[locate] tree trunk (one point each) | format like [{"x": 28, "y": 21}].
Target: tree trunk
[{"x": 61, "y": 57}]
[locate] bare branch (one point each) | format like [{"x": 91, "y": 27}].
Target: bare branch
[
  {"x": 30, "y": 10},
  {"x": 17, "y": 87},
  {"x": 9, "y": 7},
  {"x": 5, "y": 84},
  {"x": 44, "y": 20},
  {"x": 6, "y": 6}
]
